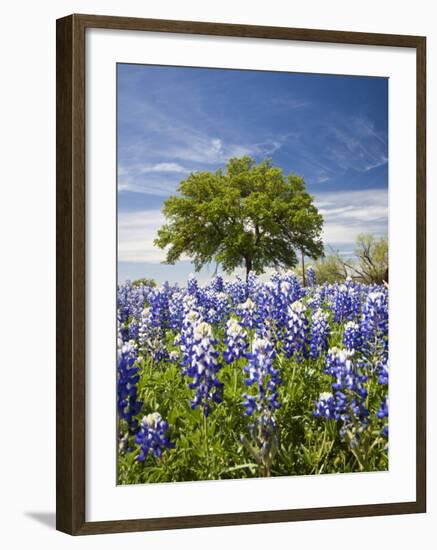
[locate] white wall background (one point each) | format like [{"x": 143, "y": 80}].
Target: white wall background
[{"x": 27, "y": 218}]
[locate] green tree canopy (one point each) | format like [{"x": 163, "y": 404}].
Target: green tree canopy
[{"x": 249, "y": 215}]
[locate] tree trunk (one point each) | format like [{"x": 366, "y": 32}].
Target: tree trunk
[
  {"x": 248, "y": 267},
  {"x": 303, "y": 269}
]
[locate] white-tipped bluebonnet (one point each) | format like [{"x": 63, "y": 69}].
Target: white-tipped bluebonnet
[
  {"x": 296, "y": 331},
  {"x": 247, "y": 312},
  {"x": 352, "y": 336},
  {"x": 284, "y": 291},
  {"x": 202, "y": 366},
  {"x": 346, "y": 301},
  {"x": 152, "y": 437},
  {"x": 374, "y": 325},
  {"x": 261, "y": 372},
  {"x": 192, "y": 284},
  {"x": 310, "y": 276},
  {"x": 128, "y": 403},
  {"x": 151, "y": 338},
  {"x": 262, "y": 404},
  {"x": 185, "y": 339},
  {"x": 341, "y": 366},
  {"x": 237, "y": 291},
  {"x": 326, "y": 407},
  {"x": 235, "y": 341},
  {"x": 176, "y": 309},
  {"x": 347, "y": 402},
  {"x": 319, "y": 333},
  {"x": 216, "y": 307},
  {"x": 217, "y": 284}
]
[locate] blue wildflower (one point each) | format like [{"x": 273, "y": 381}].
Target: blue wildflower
[
  {"x": 319, "y": 333},
  {"x": 352, "y": 336},
  {"x": 310, "y": 276},
  {"x": 374, "y": 325},
  {"x": 128, "y": 404},
  {"x": 235, "y": 341},
  {"x": 383, "y": 413},
  {"x": 347, "y": 301},
  {"x": 261, "y": 373},
  {"x": 296, "y": 335},
  {"x": 152, "y": 437},
  {"x": 203, "y": 368}
]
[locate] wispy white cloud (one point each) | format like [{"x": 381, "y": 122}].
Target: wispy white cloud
[
  {"x": 333, "y": 145},
  {"x": 148, "y": 184},
  {"x": 136, "y": 232},
  {"x": 290, "y": 103},
  {"x": 172, "y": 167},
  {"x": 346, "y": 214},
  {"x": 203, "y": 153}
]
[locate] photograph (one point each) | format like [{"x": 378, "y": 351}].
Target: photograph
[{"x": 252, "y": 297}]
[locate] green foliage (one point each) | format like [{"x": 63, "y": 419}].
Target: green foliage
[
  {"x": 145, "y": 282},
  {"x": 329, "y": 269},
  {"x": 251, "y": 215},
  {"x": 372, "y": 254},
  {"x": 370, "y": 265}
]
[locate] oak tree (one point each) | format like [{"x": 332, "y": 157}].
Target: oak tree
[{"x": 249, "y": 215}]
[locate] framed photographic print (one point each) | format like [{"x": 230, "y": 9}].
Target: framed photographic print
[{"x": 240, "y": 274}]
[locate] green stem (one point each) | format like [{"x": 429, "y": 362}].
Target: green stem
[
  {"x": 205, "y": 438},
  {"x": 292, "y": 381}
]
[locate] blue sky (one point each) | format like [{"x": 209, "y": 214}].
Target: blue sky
[{"x": 332, "y": 130}]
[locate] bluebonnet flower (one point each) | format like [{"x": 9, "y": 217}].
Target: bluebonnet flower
[
  {"x": 310, "y": 276},
  {"x": 285, "y": 290},
  {"x": 203, "y": 367},
  {"x": 253, "y": 284},
  {"x": 314, "y": 299},
  {"x": 217, "y": 284},
  {"x": 235, "y": 341},
  {"x": 296, "y": 335},
  {"x": 346, "y": 301},
  {"x": 347, "y": 401},
  {"x": 185, "y": 339},
  {"x": 374, "y": 325},
  {"x": 237, "y": 291},
  {"x": 152, "y": 436},
  {"x": 382, "y": 370},
  {"x": 383, "y": 413},
  {"x": 128, "y": 404},
  {"x": 133, "y": 330},
  {"x": 352, "y": 336},
  {"x": 131, "y": 301},
  {"x": 247, "y": 312},
  {"x": 340, "y": 365},
  {"x": 326, "y": 407},
  {"x": 262, "y": 405},
  {"x": 192, "y": 285},
  {"x": 151, "y": 337},
  {"x": 160, "y": 307},
  {"x": 260, "y": 371},
  {"x": 216, "y": 307},
  {"x": 319, "y": 333},
  {"x": 176, "y": 309}
]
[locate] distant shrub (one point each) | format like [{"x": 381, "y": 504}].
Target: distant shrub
[{"x": 145, "y": 282}]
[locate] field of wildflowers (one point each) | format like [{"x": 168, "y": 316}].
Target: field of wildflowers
[{"x": 251, "y": 379}]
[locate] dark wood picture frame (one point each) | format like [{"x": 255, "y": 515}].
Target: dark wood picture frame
[{"x": 70, "y": 277}]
